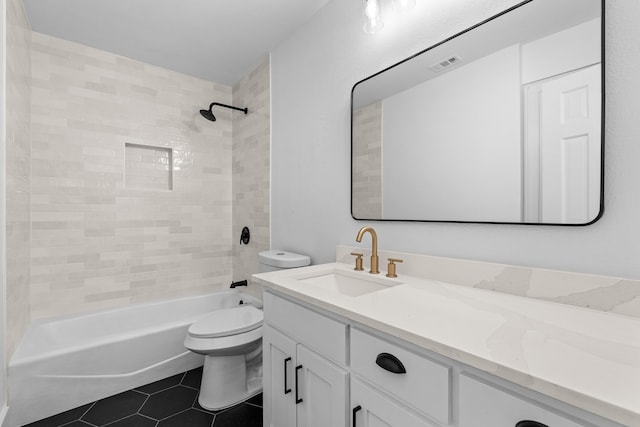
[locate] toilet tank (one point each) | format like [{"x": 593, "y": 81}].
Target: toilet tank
[{"x": 276, "y": 259}]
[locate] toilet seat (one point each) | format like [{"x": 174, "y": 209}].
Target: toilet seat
[{"x": 227, "y": 322}]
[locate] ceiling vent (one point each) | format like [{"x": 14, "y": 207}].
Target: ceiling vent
[{"x": 446, "y": 63}]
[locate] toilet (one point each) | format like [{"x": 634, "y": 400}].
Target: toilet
[
  {"x": 231, "y": 341},
  {"x": 276, "y": 259}
]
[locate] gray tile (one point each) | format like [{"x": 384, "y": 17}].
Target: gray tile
[
  {"x": 241, "y": 415},
  {"x": 115, "y": 408},
  {"x": 161, "y": 385},
  {"x": 169, "y": 402},
  {"x": 191, "y": 417},
  {"x": 134, "y": 421},
  {"x": 63, "y": 418},
  {"x": 256, "y": 400},
  {"x": 193, "y": 378},
  {"x": 77, "y": 424},
  {"x": 164, "y": 407}
]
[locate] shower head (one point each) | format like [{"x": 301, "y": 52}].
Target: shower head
[{"x": 208, "y": 114}]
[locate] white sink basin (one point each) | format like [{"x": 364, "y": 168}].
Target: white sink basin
[{"x": 347, "y": 283}]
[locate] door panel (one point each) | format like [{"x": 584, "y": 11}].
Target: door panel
[
  {"x": 323, "y": 390},
  {"x": 568, "y": 110},
  {"x": 279, "y": 353}
]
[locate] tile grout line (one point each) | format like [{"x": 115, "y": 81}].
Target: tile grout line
[
  {"x": 188, "y": 386},
  {"x": 117, "y": 421},
  {"x": 142, "y": 406},
  {"x": 254, "y": 404},
  {"x": 130, "y": 415},
  {"x": 92, "y": 404},
  {"x": 173, "y": 415}
]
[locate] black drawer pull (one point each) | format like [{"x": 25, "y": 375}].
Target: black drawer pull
[
  {"x": 392, "y": 364},
  {"x": 298, "y": 399},
  {"x": 527, "y": 423},
  {"x": 355, "y": 411},
  {"x": 286, "y": 390}
]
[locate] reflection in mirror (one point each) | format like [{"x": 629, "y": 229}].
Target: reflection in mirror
[{"x": 500, "y": 123}]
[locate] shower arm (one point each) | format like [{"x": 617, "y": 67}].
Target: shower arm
[{"x": 246, "y": 110}]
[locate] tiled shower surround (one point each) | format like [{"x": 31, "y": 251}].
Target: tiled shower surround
[
  {"x": 96, "y": 241},
  {"x": 18, "y": 153},
  {"x": 251, "y": 166}
]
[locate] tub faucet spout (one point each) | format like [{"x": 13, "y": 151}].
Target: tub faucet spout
[
  {"x": 240, "y": 283},
  {"x": 374, "y": 247}
]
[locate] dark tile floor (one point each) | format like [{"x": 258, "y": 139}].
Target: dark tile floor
[{"x": 172, "y": 402}]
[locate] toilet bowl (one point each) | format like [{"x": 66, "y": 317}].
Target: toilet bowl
[{"x": 231, "y": 341}]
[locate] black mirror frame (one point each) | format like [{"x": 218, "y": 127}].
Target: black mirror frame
[{"x": 602, "y": 124}]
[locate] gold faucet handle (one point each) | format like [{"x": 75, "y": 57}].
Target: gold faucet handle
[
  {"x": 391, "y": 268},
  {"x": 358, "y": 261}
]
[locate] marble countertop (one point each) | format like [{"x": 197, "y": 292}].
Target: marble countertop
[{"x": 586, "y": 358}]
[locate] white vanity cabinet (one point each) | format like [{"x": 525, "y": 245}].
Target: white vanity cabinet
[
  {"x": 303, "y": 386},
  {"x": 344, "y": 373}
]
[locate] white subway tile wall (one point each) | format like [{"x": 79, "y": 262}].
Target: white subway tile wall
[
  {"x": 18, "y": 153},
  {"x": 251, "y": 170},
  {"x": 148, "y": 167},
  {"x": 97, "y": 241}
]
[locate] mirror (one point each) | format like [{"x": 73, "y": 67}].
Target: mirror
[{"x": 501, "y": 123}]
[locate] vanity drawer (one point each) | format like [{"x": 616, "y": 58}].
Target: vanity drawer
[
  {"x": 321, "y": 333},
  {"x": 482, "y": 404},
  {"x": 426, "y": 384}
]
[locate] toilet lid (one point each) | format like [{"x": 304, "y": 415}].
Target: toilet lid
[{"x": 230, "y": 321}]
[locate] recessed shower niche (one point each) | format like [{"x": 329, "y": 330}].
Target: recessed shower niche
[{"x": 148, "y": 167}]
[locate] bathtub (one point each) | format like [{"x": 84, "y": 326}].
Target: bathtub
[{"x": 63, "y": 363}]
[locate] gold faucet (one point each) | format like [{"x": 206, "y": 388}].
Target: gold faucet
[{"x": 374, "y": 247}]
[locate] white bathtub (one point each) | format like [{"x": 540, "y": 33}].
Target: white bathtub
[{"x": 67, "y": 362}]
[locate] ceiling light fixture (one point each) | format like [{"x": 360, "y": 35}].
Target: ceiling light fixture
[
  {"x": 404, "y": 5},
  {"x": 372, "y": 16},
  {"x": 373, "y": 12}
]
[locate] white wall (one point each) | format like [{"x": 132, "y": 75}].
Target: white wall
[
  {"x": 454, "y": 144},
  {"x": 547, "y": 56},
  {"x": 312, "y": 75},
  {"x": 3, "y": 289}
]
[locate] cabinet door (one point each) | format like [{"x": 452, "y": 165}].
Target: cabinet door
[
  {"x": 279, "y": 354},
  {"x": 322, "y": 387},
  {"x": 369, "y": 408}
]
